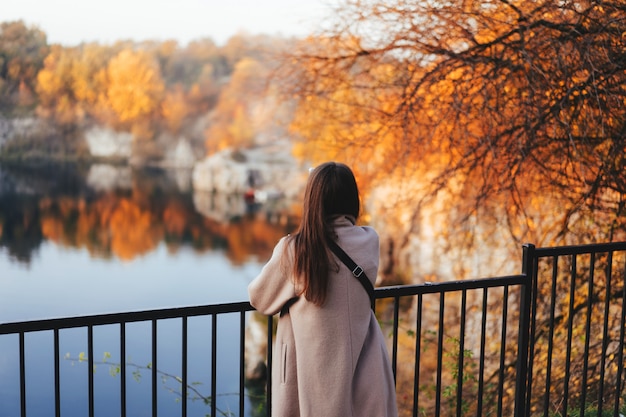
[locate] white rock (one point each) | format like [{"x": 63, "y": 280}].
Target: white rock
[
  {"x": 221, "y": 207},
  {"x": 178, "y": 154},
  {"x": 104, "y": 177},
  {"x": 104, "y": 142},
  {"x": 271, "y": 170}
]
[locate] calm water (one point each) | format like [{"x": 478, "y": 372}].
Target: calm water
[
  {"x": 61, "y": 281},
  {"x": 100, "y": 239}
]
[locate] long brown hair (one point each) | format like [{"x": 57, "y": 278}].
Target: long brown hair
[{"x": 330, "y": 191}]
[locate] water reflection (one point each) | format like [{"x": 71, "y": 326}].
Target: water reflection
[{"x": 123, "y": 212}]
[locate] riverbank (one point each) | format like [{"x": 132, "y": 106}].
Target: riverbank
[{"x": 268, "y": 170}]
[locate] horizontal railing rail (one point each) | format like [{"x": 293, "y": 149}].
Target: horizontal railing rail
[
  {"x": 580, "y": 249},
  {"x": 125, "y": 317}
]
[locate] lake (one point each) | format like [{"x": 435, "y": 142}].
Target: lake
[{"x": 78, "y": 240}]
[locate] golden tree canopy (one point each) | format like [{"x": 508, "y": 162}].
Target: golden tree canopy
[
  {"x": 507, "y": 106},
  {"x": 135, "y": 86}
]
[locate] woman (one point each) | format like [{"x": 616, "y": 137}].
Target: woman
[{"x": 330, "y": 358}]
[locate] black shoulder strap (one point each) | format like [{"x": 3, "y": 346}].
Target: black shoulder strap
[{"x": 357, "y": 271}]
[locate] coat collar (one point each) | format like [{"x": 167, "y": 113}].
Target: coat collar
[{"x": 343, "y": 220}]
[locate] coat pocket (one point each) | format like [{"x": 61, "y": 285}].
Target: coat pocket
[{"x": 283, "y": 364}]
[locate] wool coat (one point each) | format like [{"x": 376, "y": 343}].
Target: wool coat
[{"x": 329, "y": 360}]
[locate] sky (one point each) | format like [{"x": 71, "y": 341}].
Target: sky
[{"x": 70, "y": 22}]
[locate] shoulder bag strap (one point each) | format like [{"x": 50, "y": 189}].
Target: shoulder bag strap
[{"x": 357, "y": 271}]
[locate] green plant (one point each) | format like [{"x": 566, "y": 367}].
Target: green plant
[{"x": 172, "y": 383}]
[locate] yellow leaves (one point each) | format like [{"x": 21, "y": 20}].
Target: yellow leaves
[
  {"x": 54, "y": 87},
  {"x": 89, "y": 74},
  {"x": 456, "y": 74},
  {"x": 70, "y": 83},
  {"x": 49, "y": 82},
  {"x": 135, "y": 85},
  {"x": 344, "y": 124}
]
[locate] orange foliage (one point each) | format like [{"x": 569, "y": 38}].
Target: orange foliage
[
  {"x": 485, "y": 104},
  {"x": 55, "y": 95},
  {"x": 89, "y": 74},
  {"x": 251, "y": 235},
  {"x": 127, "y": 227},
  {"x": 233, "y": 125},
  {"x": 175, "y": 219},
  {"x": 132, "y": 230},
  {"x": 135, "y": 87}
]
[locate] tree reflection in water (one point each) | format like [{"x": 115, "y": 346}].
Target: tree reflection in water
[{"x": 123, "y": 212}]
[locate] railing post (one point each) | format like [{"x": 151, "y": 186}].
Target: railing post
[
  {"x": 528, "y": 270},
  {"x": 270, "y": 345},
  {"x": 22, "y": 374}
]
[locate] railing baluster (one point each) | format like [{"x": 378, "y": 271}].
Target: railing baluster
[
  {"x": 505, "y": 309},
  {"x": 605, "y": 330},
  {"x": 546, "y": 402},
  {"x": 583, "y": 400},
  {"x": 270, "y": 350},
  {"x": 154, "y": 367},
  {"x": 459, "y": 381},
  {"x": 620, "y": 353},
  {"x": 123, "y": 368},
  {"x": 440, "y": 332},
  {"x": 481, "y": 371},
  {"x": 213, "y": 364},
  {"x": 57, "y": 378},
  {"x": 533, "y": 314},
  {"x": 394, "y": 344},
  {"x": 22, "y": 376},
  {"x": 418, "y": 350},
  {"x": 242, "y": 360},
  {"x": 90, "y": 368},
  {"x": 184, "y": 367},
  {"x": 523, "y": 381},
  {"x": 570, "y": 327}
]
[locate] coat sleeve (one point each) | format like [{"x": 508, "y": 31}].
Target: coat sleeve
[{"x": 273, "y": 287}]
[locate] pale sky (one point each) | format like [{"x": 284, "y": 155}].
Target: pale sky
[{"x": 71, "y": 22}]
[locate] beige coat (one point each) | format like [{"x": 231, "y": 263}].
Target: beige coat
[{"x": 328, "y": 361}]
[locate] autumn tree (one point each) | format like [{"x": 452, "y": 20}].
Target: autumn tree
[
  {"x": 55, "y": 89},
  {"x": 507, "y": 107},
  {"x": 134, "y": 89},
  {"x": 204, "y": 67},
  {"x": 52, "y": 88},
  {"x": 89, "y": 79},
  {"x": 72, "y": 84},
  {"x": 233, "y": 122},
  {"x": 22, "y": 51},
  {"x": 191, "y": 76}
]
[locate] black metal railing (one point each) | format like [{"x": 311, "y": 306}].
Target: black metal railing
[
  {"x": 122, "y": 320},
  {"x": 471, "y": 347},
  {"x": 576, "y": 357},
  {"x": 461, "y": 371}
]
